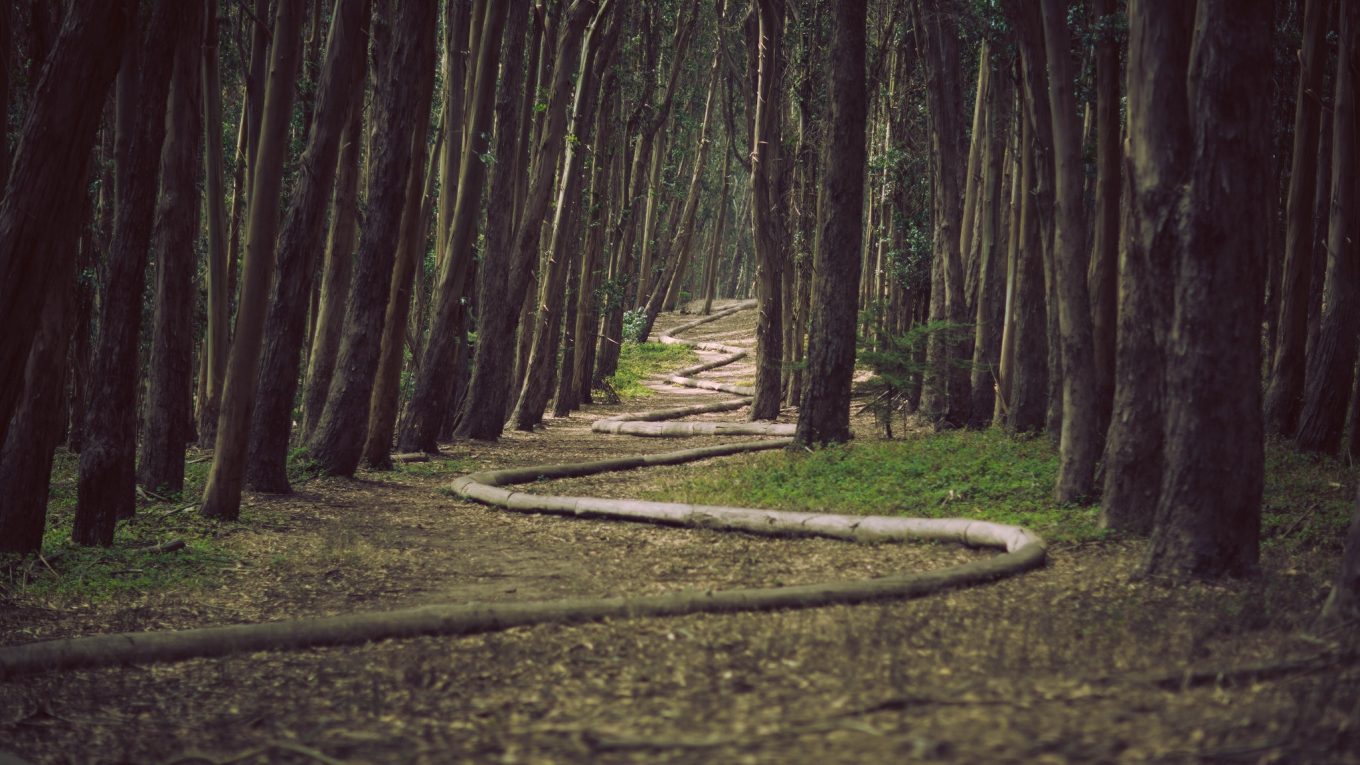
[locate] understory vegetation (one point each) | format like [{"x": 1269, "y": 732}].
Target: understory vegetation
[{"x": 638, "y": 361}]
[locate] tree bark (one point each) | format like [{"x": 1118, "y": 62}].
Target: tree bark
[
  {"x": 167, "y": 418},
  {"x": 54, "y": 146},
  {"x": 1081, "y": 440},
  {"x": 824, "y": 412},
  {"x": 336, "y": 272},
  {"x": 1332, "y": 360},
  {"x": 217, "y": 337},
  {"x": 105, "y": 488},
  {"x": 991, "y": 253},
  {"x": 1284, "y": 397},
  {"x": 222, "y": 493},
  {"x": 339, "y": 90},
  {"x": 767, "y": 209},
  {"x": 382, "y": 410},
  {"x": 337, "y": 443},
  {"x": 1104, "y": 264},
  {"x": 1159, "y": 141},
  {"x": 434, "y": 385},
  {"x": 1209, "y": 513},
  {"x": 1029, "y": 385}
]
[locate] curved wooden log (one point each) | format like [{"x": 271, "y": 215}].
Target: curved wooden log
[{"x": 1023, "y": 550}]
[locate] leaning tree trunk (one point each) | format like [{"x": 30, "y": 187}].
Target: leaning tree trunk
[
  {"x": 991, "y": 249},
  {"x": 1159, "y": 135},
  {"x": 824, "y": 412},
  {"x": 432, "y": 398},
  {"x": 1080, "y": 443},
  {"x": 1332, "y": 360},
  {"x": 1209, "y": 515},
  {"x": 106, "y": 486},
  {"x": 338, "y": 441},
  {"x": 167, "y": 419},
  {"x": 222, "y": 493},
  {"x": 382, "y": 408},
  {"x": 54, "y": 147},
  {"x": 1284, "y": 397},
  {"x": 338, "y": 95}
]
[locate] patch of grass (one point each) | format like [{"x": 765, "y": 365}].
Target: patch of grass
[
  {"x": 990, "y": 476},
  {"x": 960, "y": 474},
  {"x": 638, "y": 361},
  {"x": 436, "y": 466}
]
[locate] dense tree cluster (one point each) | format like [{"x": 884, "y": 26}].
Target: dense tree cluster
[{"x": 358, "y": 226}]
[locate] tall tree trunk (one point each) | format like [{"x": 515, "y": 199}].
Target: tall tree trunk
[
  {"x": 222, "y": 493},
  {"x": 824, "y": 412},
  {"x": 26, "y": 456},
  {"x": 1080, "y": 444},
  {"x": 54, "y": 147},
  {"x": 338, "y": 441},
  {"x": 767, "y": 209},
  {"x": 1209, "y": 515},
  {"x": 217, "y": 339},
  {"x": 1332, "y": 360},
  {"x": 105, "y": 488},
  {"x": 1029, "y": 384},
  {"x": 1104, "y": 265},
  {"x": 715, "y": 246},
  {"x": 947, "y": 379},
  {"x": 335, "y": 280},
  {"x": 1159, "y": 144},
  {"x": 434, "y": 385},
  {"x": 991, "y": 255},
  {"x": 382, "y": 408},
  {"x": 1284, "y": 397},
  {"x": 167, "y": 418},
  {"x": 339, "y": 94}
]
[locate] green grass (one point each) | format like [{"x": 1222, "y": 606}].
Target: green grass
[
  {"x": 638, "y": 361},
  {"x": 990, "y": 476}
]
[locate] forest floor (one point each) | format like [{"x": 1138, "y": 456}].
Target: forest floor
[{"x": 1075, "y": 662}]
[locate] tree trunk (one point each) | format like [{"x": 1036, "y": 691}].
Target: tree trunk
[
  {"x": 1343, "y": 602},
  {"x": 1332, "y": 359},
  {"x": 54, "y": 146},
  {"x": 167, "y": 419},
  {"x": 824, "y": 412},
  {"x": 434, "y": 385},
  {"x": 337, "y": 443},
  {"x": 1029, "y": 385},
  {"x": 335, "y": 280},
  {"x": 1159, "y": 136},
  {"x": 767, "y": 209},
  {"x": 382, "y": 410},
  {"x": 222, "y": 493},
  {"x": 991, "y": 254},
  {"x": 338, "y": 92},
  {"x": 1080, "y": 444},
  {"x": 1284, "y": 397},
  {"x": 217, "y": 338},
  {"x": 105, "y": 489},
  {"x": 1104, "y": 265},
  {"x": 1209, "y": 514}
]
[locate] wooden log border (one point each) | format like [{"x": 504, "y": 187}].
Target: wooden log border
[{"x": 1023, "y": 550}]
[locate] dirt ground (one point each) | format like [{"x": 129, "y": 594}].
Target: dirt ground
[{"x": 1072, "y": 663}]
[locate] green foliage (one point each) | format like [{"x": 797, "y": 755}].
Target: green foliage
[
  {"x": 898, "y": 363},
  {"x": 638, "y": 361},
  {"x": 633, "y": 323},
  {"x": 958, "y": 474}
]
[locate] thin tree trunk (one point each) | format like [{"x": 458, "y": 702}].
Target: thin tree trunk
[
  {"x": 432, "y": 399},
  {"x": 217, "y": 339},
  {"x": 382, "y": 408},
  {"x": 767, "y": 209},
  {"x": 1332, "y": 360},
  {"x": 991, "y": 250},
  {"x": 1104, "y": 265},
  {"x": 339, "y": 94},
  {"x": 337, "y": 443},
  {"x": 106, "y": 483},
  {"x": 222, "y": 493},
  {"x": 167, "y": 419}
]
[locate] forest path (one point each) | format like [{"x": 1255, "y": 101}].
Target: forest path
[{"x": 1001, "y": 673}]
